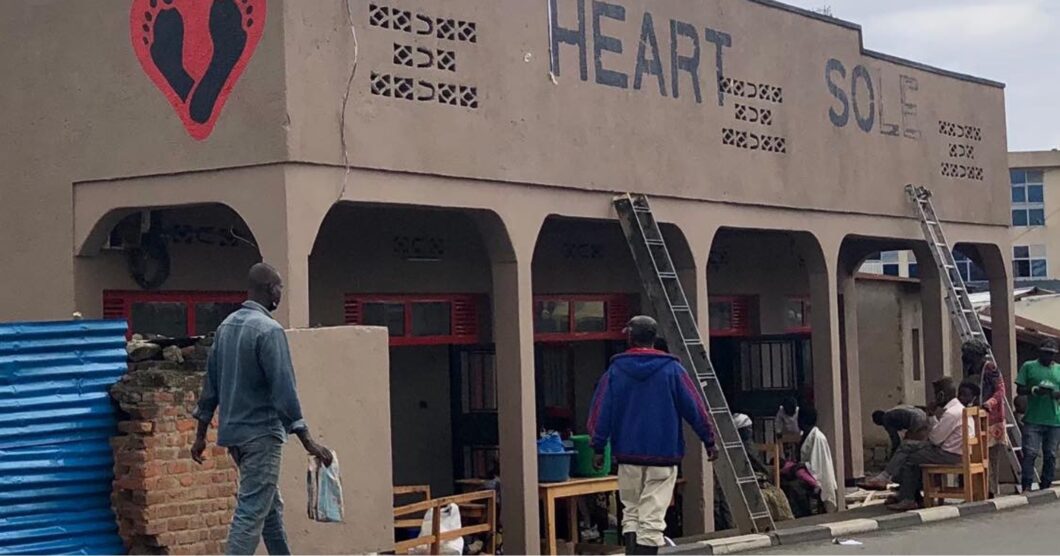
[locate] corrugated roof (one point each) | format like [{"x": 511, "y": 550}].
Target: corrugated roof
[{"x": 982, "y": 299}]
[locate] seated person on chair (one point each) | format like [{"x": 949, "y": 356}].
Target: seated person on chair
[
  {"x": 816, "y": 454},
  {"x": 944, "y": 447},
  {"x": 744, "y": 427},
  {"x": 801, "y": 489},
  {"x": 911, "y": 443}
]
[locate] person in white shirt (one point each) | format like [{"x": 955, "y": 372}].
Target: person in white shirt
[
  {"x": 787, "y": 419},
  {"x": 944, "y": 447}
]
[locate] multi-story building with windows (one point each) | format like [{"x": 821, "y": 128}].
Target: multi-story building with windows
[{"x": 1035, "y": 179}]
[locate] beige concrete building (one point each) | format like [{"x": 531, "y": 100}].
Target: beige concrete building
[{"x": 446, "y": 169}]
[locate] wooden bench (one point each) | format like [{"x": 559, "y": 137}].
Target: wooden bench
[
  {"x": 474, "y": 506},
  {"x": 974, "y": 468}
]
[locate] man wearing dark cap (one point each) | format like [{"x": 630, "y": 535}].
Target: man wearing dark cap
[
  {"x": 1040, "y": 381},
  {"x": 250, "y": 383},
  {"x": 638, "y": 406}
]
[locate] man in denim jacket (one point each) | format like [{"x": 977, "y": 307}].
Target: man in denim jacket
[{"x": 250, "y": 375}]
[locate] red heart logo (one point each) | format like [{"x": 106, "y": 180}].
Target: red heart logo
[{"x": 195, "y": 51}]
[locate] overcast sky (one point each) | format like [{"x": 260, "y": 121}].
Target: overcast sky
[{"x": 1016, "y": 42}]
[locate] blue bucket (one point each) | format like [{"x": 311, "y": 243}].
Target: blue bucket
[{"x": 553, "y": 467}]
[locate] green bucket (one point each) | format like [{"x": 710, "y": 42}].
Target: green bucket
[{"x": 583, "y": 458}]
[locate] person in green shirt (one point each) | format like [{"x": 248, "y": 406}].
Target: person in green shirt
[{"x": 1040, "y": 381}]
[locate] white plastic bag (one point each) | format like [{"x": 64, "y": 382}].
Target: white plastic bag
[
  {"x": 450, "y": 522},
  {"x": 324, "y": 487}
]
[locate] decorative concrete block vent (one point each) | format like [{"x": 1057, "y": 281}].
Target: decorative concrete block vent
[{"x": 166, "y": 503}]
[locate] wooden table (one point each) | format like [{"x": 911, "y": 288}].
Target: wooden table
[{"x": 551, "y": 492}]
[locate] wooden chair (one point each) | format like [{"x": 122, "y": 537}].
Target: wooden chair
[
  {"x": 974, "y": 469},
  {"x": 481, "y": 505},
  {"x": 410, "y": 491},
  {"x": 772, "y": 457}
]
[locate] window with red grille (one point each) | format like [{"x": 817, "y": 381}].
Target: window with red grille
[
  {"x": 572, "y": 318},
  {"x": 173, "y": 313},
  {"x": 730, "y": 316},
  {"x": 418, "y": 320}
]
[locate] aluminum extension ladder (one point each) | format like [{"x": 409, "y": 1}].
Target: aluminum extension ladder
[
  {"x": 678, "y": 326},
  {"x": 960, "y": 306}
]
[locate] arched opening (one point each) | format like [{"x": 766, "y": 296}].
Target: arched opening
[
  {"x": 773, "y": 339},
  {"x": 902, "y": 336},
  {"x": 760, "y": 322},
  {"x": 425, "y": 275},
  {"x": 883, "y": 335},
  {"x": 171, "y": 271},
  {"x": 586, "y": 287},
  {"x": 992, "y": 276}
]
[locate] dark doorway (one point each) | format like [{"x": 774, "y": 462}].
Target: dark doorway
[
  {"x": 759, "y": 373},
  {"x": 474, "y": 408}
]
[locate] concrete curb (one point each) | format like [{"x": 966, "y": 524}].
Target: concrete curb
[{"x": 828, "y": 531}]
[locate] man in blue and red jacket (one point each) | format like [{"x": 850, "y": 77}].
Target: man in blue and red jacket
[{"x": 638, "y": 406}]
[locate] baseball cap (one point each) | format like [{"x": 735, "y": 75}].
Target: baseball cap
[
  {"x": 641, "y": 324},
  {"x": 1049, "y": 345}
]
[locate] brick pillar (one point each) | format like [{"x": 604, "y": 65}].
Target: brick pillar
[{"x": 165, "y": 502}]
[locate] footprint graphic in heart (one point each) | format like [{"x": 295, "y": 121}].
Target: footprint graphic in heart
[{"x": 195, "y": 51}]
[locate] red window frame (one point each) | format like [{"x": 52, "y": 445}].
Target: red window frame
[
  {"x": 617, "y": 309},
  {"x": 806, "y": 327},
  {"x": 463, "y": 316},
  {"x": 117, "y": 304},
  {"x": 740, "y": 309}
]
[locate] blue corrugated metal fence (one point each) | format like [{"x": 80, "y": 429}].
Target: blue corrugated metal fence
[{"x": 56, "y": 420}]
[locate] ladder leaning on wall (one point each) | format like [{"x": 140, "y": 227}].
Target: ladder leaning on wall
[
  {"x": 960, "y": 306},
  {"x": 678, "y": 326}
]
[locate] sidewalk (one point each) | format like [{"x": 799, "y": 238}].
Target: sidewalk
[{"x": 861, "y": 520}]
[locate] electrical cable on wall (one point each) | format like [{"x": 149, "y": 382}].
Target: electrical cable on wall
[
  {"x": 552, "y": 69},
  {"x": 346, "y": 100},
  {"x": 237, "y": 237}
]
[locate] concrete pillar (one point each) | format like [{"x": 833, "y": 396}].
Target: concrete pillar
[
  {"x": 698, "y": 495},
  {"x": 517, "y": 413},
  {"x": 827, "y": 380},
  {"x": 935, "y": 321},
  {"x": 510, "y": 243},
  {"x": 307, "y": 202},
  {"x": 997, "y": 264},
  {"x": 295, "y": 282},
  {"x": 855, "y": 449}
]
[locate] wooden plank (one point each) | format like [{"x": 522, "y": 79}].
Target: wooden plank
[
  {"x": 465, "y": 531},
  {"x": 457, "y": 499},
  {"x": 550, "y": 523},
  {"x": 404, "y": 546},
  {"x": 412, "y": 489},
  {"x": 436, "y": 527},
  {"x": 579, "y": 487},
  {"x": 491, "y": 520}
]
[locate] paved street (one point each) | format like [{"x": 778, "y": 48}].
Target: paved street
[{"x": 1030, "y": 530}]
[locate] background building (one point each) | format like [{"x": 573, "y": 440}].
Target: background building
[{"x": 1035, "y": 178}]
